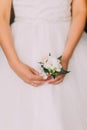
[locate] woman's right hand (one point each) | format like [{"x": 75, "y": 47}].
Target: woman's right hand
[{"x": 27, "y": 74}]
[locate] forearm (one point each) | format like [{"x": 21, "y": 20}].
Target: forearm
[
  {"x": 76, "y": 30},
  {"x": 6, "y": 42}
]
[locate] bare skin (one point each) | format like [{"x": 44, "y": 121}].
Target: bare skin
[
  {"x": 28, "y": 74},
  {"x": 79, "y": 15}
]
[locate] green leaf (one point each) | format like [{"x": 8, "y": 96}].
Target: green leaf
[
  {"x": 64, "y": 71},
  {"x": 49, "y": 54},
  {"x": 40, "y": 62},
  {"x": 54, "y": 75},
  {"x": 46, "y": 70},
  {"x": 59, "y": 58}
]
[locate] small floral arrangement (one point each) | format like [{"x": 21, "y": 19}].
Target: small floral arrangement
[{"x": 51, "y": 65}]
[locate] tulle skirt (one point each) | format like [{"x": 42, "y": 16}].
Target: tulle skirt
[{"x": 48, "y": 107}]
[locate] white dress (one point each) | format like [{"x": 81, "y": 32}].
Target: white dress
[{"x": 40, "y": 27}]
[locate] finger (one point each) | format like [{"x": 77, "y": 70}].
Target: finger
[
  {"x": 33, "y": 81},
  {"x": 37, "y": 73},
  {"x": 52, "y": 79},
  {"x": 58, "y": 78},
  {"x": 36, "y": 83},
  {"x": 38, "y": 77},
  {"x": 48, "y": 78},
  {"x": 58, "y": 82},
  {"x": 39, "y": 84}
]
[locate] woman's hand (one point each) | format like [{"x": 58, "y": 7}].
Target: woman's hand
[
  {"x": 27, "y": 74},
  {"x": 60, "y": 77}
]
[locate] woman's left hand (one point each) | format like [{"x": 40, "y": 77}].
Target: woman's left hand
[{"x": 60, "y": 77}]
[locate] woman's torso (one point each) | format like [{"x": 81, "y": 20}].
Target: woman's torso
[{"x": 51, "y": 10}]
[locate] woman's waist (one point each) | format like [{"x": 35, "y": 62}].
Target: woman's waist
[{"x": 42, "y": 19}]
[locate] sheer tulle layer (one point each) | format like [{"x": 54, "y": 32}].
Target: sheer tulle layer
[{"x": 49, "y": 107}]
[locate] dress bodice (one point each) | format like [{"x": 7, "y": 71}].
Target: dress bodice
[{"x": 42, "y": 9}]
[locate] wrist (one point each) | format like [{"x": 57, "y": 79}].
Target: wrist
[
  {"x": 66, "y": 57},
  {"x": 14, "y": 62},
  {"x": 65, "y": 61}
]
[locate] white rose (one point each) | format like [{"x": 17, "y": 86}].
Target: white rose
[
  {"x": 47, "y": 65},
  {"x": 52, "y": 61},
  {"x": 58, "y": 69}
]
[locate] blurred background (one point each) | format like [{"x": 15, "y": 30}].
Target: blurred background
[{"x": 12, "y": 18}]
